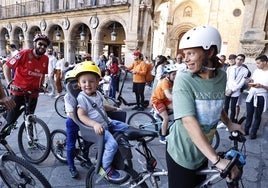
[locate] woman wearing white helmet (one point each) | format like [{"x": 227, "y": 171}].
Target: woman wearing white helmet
[{"x": 198, "y": 99}]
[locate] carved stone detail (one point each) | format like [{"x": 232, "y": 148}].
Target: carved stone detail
[{"x": 252, "y": 50}]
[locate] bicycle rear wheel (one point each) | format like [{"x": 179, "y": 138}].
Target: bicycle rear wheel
[
  {"x": 17, "y": 172},
  {"x": 145, "y": 121},
  {"x": 58, "y": 145},
  {"x": 34, "y": 142},
  {"x": 95, "y": 180},
  {"x": 60, "y": 106}
]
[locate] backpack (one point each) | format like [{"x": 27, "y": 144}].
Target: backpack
[
  {"x": 245, "y": 86},
  {"x": 149, "y": 77}
]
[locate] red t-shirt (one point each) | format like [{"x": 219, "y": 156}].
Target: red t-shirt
[{"x": 29, "y": 70}]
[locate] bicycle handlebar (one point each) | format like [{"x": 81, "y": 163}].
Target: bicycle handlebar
[{"x": 229, "y": 167}]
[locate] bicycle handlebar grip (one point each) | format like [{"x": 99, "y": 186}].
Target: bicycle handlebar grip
[{"x": 228, "y": 168}]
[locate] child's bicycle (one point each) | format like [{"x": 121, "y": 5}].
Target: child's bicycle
[
  {"x": 236, "y": 155},
  {"x": 145, "y": 121},
  {"x": 33, "y": 134},
  {"x": 15, "y": 171}
]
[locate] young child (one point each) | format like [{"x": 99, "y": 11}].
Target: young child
[
  {"x": 106, "y": 80},
  {"x": 72, "y": 131},
  {"x": 88, "y": 75},
  {"x": 162, "y": 98}
]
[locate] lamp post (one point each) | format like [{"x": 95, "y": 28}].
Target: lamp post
[
  {"x": 58, "y": 35},
  {"x": 21, "y": 37},
  {"x": 7, "y": 36},
  {"x": 82, "y": 34},
  {"x": 113, "y": 34}
]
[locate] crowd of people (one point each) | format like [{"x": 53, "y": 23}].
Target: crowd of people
[{"x": 200, "y": 86}]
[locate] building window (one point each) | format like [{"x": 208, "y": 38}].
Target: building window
[{"x": 187, "y": 12}]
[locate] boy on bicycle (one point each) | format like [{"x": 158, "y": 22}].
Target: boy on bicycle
[
  {"x": 162, "y": 98},
  {"x": 88, "y": 75},
  {"x": 72, "y": 131}
]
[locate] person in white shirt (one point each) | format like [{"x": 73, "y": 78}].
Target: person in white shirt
[
  {"x": 235, "y": 80},
  {"x": 52, "y": 60},
  {"x": 59, "y": 73},
  {"x": 181, "y": 66},
  {"x": 256, "y": 101}
]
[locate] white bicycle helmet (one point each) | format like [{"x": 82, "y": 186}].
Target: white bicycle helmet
[
  {"x": 201, "y": 36},
  {"x": 169, "y": 68}
]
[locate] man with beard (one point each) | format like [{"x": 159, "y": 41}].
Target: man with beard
[{"x": 31, "y": 65}]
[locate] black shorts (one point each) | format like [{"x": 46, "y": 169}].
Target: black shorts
[{"x": 138, "y": 87}]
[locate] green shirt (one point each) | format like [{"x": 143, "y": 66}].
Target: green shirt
[{"x": 202, "y": 98}]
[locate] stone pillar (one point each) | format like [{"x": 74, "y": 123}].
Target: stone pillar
[
  {"x": 253, "y": 35},
  {"x": 97, "y": 49},
  {"x": 69, "y": 51}
]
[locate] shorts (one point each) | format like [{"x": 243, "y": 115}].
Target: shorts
[{"x": 161, "y": 106}]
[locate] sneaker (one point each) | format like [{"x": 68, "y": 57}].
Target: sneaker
[
  {"x": 162, "y": 140},
  {"x": 135, "y": 108},
  {"x": 112, "y": 173},
  {"x": 57, "y": 95},
  {"x": 51, "y": 94},
  {"x": 74, "y": 173},
  {"x": 253, "y": 136},
  {"x": 86, "y": 164}
]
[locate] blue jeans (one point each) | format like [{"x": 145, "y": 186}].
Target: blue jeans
[
  {"x": 110, "y": 144},
  {"x": 257, "y": 116},
  {"x": 72, "y": 134},
  {"x": 233, "y": 105},
  {"x": 113, "y": 88}
]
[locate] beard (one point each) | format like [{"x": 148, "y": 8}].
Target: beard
[{"x": 39, "y": 51}]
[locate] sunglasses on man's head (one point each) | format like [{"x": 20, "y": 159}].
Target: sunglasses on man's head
[{"x": 42, "y": 44}]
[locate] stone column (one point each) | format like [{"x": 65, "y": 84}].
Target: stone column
[
  {"x": 69, "y": 51},
  {"x": 97, "y": 49},
  {"x": 253, "y": 35}
]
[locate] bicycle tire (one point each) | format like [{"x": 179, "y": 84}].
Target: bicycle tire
[
  {"x": 94, "y": 180},
  {"x": 216, "y": 140},
  {"x": 60, "y": 106},
  {"x": 58, "y": 144},
  {"x": 144, "y": 121},
  {"x": 17, "y": 169},
  {"x": 37, "y": 151}
]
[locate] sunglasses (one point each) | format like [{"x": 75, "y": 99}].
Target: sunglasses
[{"x": 41, "y": 44}]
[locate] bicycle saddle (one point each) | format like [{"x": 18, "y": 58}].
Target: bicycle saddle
[{"x": 133, "y": 133}]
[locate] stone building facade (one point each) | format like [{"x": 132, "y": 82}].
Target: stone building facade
[{"x": 155, "y": 27}]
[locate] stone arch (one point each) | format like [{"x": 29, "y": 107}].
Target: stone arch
[{"x": 176, "y": 33}]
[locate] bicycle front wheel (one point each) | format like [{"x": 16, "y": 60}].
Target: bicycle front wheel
[
  {"x": 60, "y": 106},
  {"x": 145, "y": 121},
  {"x": 17, "y": 172},
  {"x": 34, "y": 141},
  {"x": 58, "y": 145},
  {"x": 216, "y": 140}
]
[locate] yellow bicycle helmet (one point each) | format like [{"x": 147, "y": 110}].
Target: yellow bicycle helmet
[
  {"x": 87, "y": 66},
  {"x": 71, "y": 74}
]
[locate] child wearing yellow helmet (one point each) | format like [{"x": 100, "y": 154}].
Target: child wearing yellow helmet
[
  {"x": 72, "y": 130},
  {"x": 88, "y": 75}
]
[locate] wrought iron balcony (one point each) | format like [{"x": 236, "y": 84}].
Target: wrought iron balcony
[{"x": 40, "y": 7}]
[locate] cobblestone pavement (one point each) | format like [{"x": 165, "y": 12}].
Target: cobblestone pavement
[{"x": 255, "y": 172}]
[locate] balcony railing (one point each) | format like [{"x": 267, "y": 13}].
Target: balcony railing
[{"x": 40, "y": 7}]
